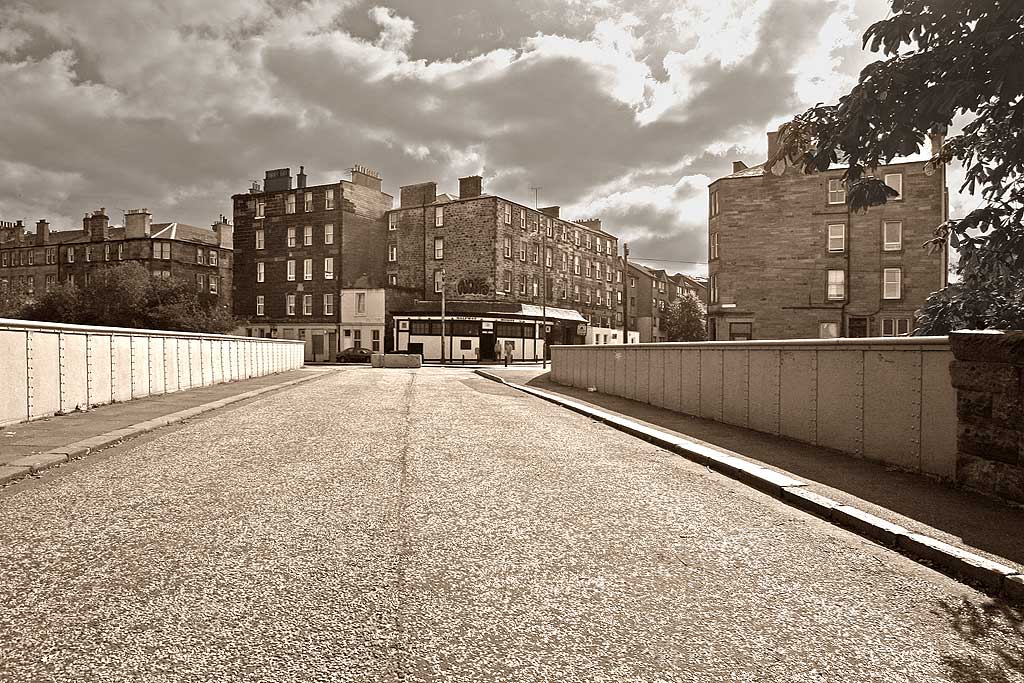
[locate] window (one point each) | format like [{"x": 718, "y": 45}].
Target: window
[
  {"x": 836, "y": 284},
  {"x": 259, "y": 305},
  {"x": 508, "y": 280},
  {"x": 307, "y": 304},
  {"x": 289, "y": 304},
  {"x": 200, "y": 256},
  {"x": 307, "y": 236},
  {"x": 576, "y": 265},
  {"x": 329, "y": 268},
  {"x": 4, "y": 258},
  {"x": 162, "y": 250},
  {"x": 892, "y": 283},
  {"x": 892, "y": 236},
  {"x": 88, "y": 254},
  {"x": 575, "y": 292},
  {"x": 329, "y": 199},
  {"x": 438, "y": 216},
  {"x": 328, "y": 304},
  {"x": 392, "y": 252},
  {"x": 536, "y": 287},
  {"x": 307, "y": 269},
  {"x": 392, "y": 279},
  {"x": 550, "y": 230},
  {"x": 632, "y": 282},
  {"x": 565, "y": 262},
  {"x": 522, "y": 251},
  {"x": 895, "y": 181},
  {"x": 120, "y": 252},
  {"x": 535, "y": 253},
  {"x": 522, "y": 284},
  {"x": 357, "y": 338},
  {"x": 588, "y": 297},
  {"x": 590, "y": 269},
  {"x": 289, "y": 203},
  {"x": 360, "y": 302},
  {"x": 522, "y": 218},
  {"x": 329, "y": 233},
  {"x": 740, "y": 331},
  {"x": 713, "y": 204},
  {"x": 51, "y": 253},
  {"x": 392, "y": 221},
  {"x": 71, "y": 255},
  {"x": 895, "y": 327},
  {"x": 508, "y": 214},
  {"x": 261, "y": 271},
  {"x": 508, "y": 247},
  {"x": 714, "y": 288},
  {"x": 714, "y": 245},
  {"x": 608, "y": 248},
  {"x": 106, "y": 252},
  {"x": 291, "y": 237},
  {"x": 438, "y": 281},
  {"x": 260, "y": 209},
  {"x": 576, "y": 237},
  {"x": 837, "y": 237},
  {"x": 308, "y": 202},
  {"x": 259, "y": 239},
  {"x": 438, "y": 248},
  {"x": 200, "y": 280},
  {"x": 589, "y": 243},
  {"x": 213, "y": 284},
  {"x": 32, "y": 256},
  {"x": 375, "y": 340},
  {"x": 547, "y": 257},
  {"x": 291, "y": 270},
  {"x": 836, "y": 191},
  {"x": 213, "y": 258}
]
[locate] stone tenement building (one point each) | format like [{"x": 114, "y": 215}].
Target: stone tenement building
[
  {"x": 300, "y": 251},
  {"x": 651, "y": 292},
  {"x": 788, "y": 259},
  {"x": 491, "y": 256},
  {"x": 33, "y": 263}
]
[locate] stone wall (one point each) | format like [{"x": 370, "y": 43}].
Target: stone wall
[{"x": 988, "y": 375}]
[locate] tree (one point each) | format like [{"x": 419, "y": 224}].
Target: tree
[
  {"x": 684, "y": 320},
  {"x": 126, "y": 295},
  {"x": 944, "y": 59}
]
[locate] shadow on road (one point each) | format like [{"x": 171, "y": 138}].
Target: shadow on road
[
  {"x": 976, "y": 623},
  {"x": 982, "y": 523}
]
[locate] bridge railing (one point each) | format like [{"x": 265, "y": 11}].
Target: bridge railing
[
  {"x": 886, "y": 399},
  {"x": 48, "y": 368}
]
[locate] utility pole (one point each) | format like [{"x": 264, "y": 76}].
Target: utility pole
[
  {"x": 625, "y": 292},
  {"x": 543, "y": 280},
  {"x": 442, "y": 316}
]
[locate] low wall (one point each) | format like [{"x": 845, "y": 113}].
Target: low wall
[
  {"x": 885, "y": 399},
  {"x": 47, "y": 368}
]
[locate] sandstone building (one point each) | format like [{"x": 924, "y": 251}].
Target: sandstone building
[
  {"x": 33, "y": 263},
  {"x": 309, "y": 261},
  {"x": 788, "y": 259},
  {"x": 498, "y": 263}
]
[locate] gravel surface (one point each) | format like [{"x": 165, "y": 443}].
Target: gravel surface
[{"x": 433, "y": 526}]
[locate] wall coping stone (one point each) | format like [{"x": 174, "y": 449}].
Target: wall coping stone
[
  {"x": 991, "y": 346},
  {"x": 35, "y": 325}
]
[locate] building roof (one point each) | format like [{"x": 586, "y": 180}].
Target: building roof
[
  {"x": 181, "y": 232},
  {"x": 750, "y": 172},
  {"x": 494, "y": 308}
]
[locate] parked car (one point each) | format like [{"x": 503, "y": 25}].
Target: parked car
[{"x": 355, "y": 354}]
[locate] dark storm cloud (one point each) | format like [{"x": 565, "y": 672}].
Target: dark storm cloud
[{"x": 614, "y": 109}]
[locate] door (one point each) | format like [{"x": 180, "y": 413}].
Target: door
[
  {"x": 318, "y": 347},
  {"x": 857, "y": 327},
  {"x": 487, "y": 345}
]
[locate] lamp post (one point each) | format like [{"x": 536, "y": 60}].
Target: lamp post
[
  {"x": 442, "y": 316},
  {"x": 625, "y": 292}
]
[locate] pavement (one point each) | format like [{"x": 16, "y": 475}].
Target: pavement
[
  {"x": 922, "y": 504},
  {"x": 431, "y": 525}
]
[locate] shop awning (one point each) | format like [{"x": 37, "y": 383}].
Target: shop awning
[{"x": 553, "y": 313}]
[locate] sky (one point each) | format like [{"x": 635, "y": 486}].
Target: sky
[{"x": 616, "y": 109}]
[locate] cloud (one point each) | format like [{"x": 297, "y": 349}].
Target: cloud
[{"x": 613, "y": 108}]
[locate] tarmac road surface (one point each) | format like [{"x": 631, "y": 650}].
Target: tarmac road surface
[{"x": 429, "y": 525}]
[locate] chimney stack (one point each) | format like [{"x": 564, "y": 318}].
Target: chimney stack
[
  {"x": 592, "y": 223},
  {"x": 738, "y": 166},
  {"x": 367, "y": 177},
  {"x": 773, "y": 143},
  {"x": 224, "y": 232},
  {"x": 42, "y": 232},
  {"x": 417, "y": 195},
  {"x": 278, "y": 180},
  {"x": 137, "y": 223},
  {"x": 96, "y": 225},
  {"x": 471, "y": 186},
  {"x": 300, "y": 179},
  {"x": 552, "y": 211}
]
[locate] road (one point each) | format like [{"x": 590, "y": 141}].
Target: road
[{"x": 433, "y": 526}]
